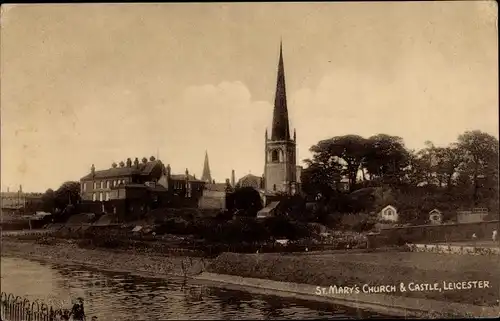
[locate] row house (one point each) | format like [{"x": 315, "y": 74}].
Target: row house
[{"x": 132, "y": 188}]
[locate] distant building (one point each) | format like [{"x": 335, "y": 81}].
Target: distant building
[
  {"x": 435, "y": 217},
  {"x": 19, "y": 201},
  {"x": 389, "y": 213},
  {"x": 131, "y": 189},
  {"x": 250, "y": 180},
  {"x": 214, "y": 196},
  {"x": 472, "y": 216}
]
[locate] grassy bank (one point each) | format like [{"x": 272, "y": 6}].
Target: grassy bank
[
  {"x": 384, "y": 268},
  {"x": 117, "y": 260}
]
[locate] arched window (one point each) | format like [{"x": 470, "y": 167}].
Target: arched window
[
  {"x": 94, "y": 197},
  {"x": 275, "y": 156},
  {"x": 100, "y": 197}
]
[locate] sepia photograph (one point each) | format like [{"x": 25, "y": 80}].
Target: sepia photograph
[{"x": 260, "y": 161}]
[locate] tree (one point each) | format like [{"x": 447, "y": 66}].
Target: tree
[
  {"x": 48, "y": 201},
  {"x": 386, "y": 158},
  {"x": 320, "y": 179},
  {"x": 245, "y": 200},
  {"x": 67, "y": 193},
  {"x": 348, "y": 151},
  {"x": 480, "y": 151}
]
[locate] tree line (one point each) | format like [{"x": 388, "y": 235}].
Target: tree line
[{"x": 463, "y": 174}]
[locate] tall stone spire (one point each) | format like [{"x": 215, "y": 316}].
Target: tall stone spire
[
  {"x": 206, "y": 177},
  {"x": 280, "y": 129}
]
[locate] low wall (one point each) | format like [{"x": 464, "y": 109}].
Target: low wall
[
  {"x": 434, "y": 233},
  {"x": 373, "y": 269}
]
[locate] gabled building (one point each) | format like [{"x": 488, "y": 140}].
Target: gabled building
[{"x": 131, "y": 189}]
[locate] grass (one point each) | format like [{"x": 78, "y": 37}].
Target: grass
[{"x": 374, "y": 269}]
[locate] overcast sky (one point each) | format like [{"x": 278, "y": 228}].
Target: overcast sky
[{"x": 91, "y": 84}]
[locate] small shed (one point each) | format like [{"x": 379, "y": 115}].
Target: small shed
[
  {"x": 435, "y": 217},
  {"x": 268, "y": 211},
  {"x": 389, "y": 213}
]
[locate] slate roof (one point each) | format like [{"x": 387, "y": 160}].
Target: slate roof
[
  {"x": 181, "y": 177},
  {"x": 250, "y": 180},
  {"x": 218, "y": 187},
  {"x": 144, "y": 169}
]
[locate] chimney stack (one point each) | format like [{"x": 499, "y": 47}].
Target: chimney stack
[
  {"x": 136, "y": 162},
  {"x": 92, "y": 169},
  {"x": 233, "y": 179}
]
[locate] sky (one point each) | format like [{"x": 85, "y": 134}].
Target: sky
[{"x": 85, "y": 84}]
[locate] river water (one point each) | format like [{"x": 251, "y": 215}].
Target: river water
[{"x": 118, "y": 296}]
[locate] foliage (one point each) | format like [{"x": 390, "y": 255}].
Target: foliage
[
  {"x": 381, "y": 171},
  {"x": 244, "y": 201}
]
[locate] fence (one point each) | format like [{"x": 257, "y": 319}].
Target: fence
[
  {"x": 16, "y": 308},
  {"x": 434, "y": 233}
]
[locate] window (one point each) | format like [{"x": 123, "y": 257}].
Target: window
[
  {"x": 188, "y": 190},
  {"x": 94, "y": 186},
  {"x": 94, "y": 197},
  {"x": 84, "y": 187},
  {"x": 100, "y": 197},
  {"x": 275, "y": 156},
  {"x": 102, "y": 184},
  {"x": 115, "y": 182},
  {"x": 107, "y": 196},
  {"x": 107, "y": 184}
]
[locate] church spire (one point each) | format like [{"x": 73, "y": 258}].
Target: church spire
[
  {"x": 280, "y": 129},
  {"x": 206, "y": 177}
]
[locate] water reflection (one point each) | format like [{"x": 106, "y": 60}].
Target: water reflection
[{"x": 118, "y": 296}]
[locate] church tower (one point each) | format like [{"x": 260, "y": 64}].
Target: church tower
[
  {"x": 206, "y": 176},
  {"x": 280, "y": 150}
]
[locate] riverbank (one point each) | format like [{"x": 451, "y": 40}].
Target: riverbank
[
  {"x": 151, "y": 265},
  {"x": 290, "y": 275}
]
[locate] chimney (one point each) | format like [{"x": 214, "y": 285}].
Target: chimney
[
  {"x": 233, "y": 179},
  {"x": 129, "y": 162},
  {"x": 187, "y": 173},
  {"x": 92, "y": 169},
  {"x": 136, "y": 162}
]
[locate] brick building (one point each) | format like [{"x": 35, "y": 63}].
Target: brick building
[{"x": 131, "y": 189}]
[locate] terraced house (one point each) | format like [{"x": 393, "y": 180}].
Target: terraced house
[{"x": 132, "y": 188}]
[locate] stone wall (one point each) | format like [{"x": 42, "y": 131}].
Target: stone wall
[{"x": 434, "y": 233}]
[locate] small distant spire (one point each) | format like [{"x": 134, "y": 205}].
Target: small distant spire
[{"x": 206, "y": 175}]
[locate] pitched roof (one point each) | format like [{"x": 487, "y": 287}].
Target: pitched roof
[
  {"x": 144, "y": 169},
  {"x": 250, "y": 180},
  {"x": 181, "y": 177},
  {"x": 218, "y": 187},
  {"x": 268, "y": 209}
]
